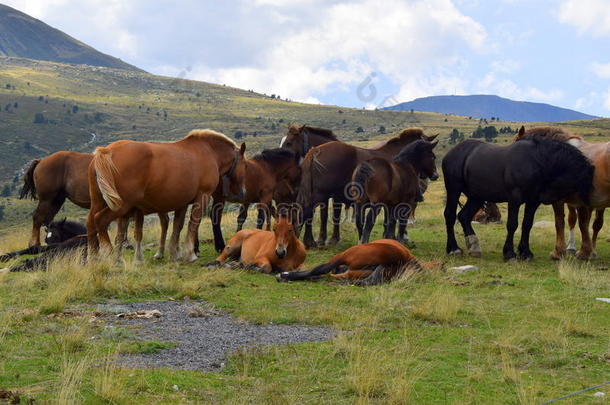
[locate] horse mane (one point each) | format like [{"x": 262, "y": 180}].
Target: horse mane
[
  {"x": 404, "y": 135},
  {"x": 274, "y": 156},
  {"x": 553, "y": 153},
  {"x": 552, "y": 133},
  {"x": 210, "y": 134},
  {"x": 322, "y": 132},
  {"x": 409, "y": 153},
  {"x": 75, "y": 228}
]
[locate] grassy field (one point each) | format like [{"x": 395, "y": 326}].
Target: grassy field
[{"x": 511, "y": 333}]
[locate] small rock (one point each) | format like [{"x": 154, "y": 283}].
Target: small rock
[
  {"x": 464, "y": 269},
  {"x": 603, "y": 300},
  {"x": 543, "y": 224},
  {"x": 599, "y": 394},
  {"x": 153, "y": 313},
  {"x": 175, "y": 387}
]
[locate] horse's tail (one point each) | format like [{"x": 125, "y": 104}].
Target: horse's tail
[
  {"x": 357, "y": 191},
  {"x": 312, "y": 274},
  {"x": 29, "y": 187},
  {"x": 306, "y": 187},
  {"x": 105, "y": 171}
]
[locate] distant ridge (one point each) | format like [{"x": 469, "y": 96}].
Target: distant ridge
[
  {"x": 487, "y": 106},
  {"x": 26, "y": 37}
]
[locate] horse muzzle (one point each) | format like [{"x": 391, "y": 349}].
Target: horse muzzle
[{"x": 280, "y": 252}]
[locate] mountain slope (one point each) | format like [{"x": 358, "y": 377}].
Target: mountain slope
[
  {"x": 487, "y": 106},
  {"x": 27, "y": 37}
]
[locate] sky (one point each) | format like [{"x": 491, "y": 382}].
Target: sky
[{"x": 358, "y": 53}]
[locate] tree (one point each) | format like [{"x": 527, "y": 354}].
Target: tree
[
  {"x": 1, "y": 212},
  {"x": 359, "y": 130},
  {"x": 74, "y": 109},
  {"x": 6, "y": 191},
  {"x": 39, "y": 118},
  {"x": 455, "y": 136},
  {"x": 490, "y": 133},
  {"x": 382, "y": 129},
  {"x": 238, "y": 134}
]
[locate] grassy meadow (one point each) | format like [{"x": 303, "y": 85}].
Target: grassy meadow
[{"x": 510, "y": 333}]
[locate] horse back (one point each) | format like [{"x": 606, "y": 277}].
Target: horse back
[
  {"x": 383, "y": 251},
  {"x": 64, "y": 172}
]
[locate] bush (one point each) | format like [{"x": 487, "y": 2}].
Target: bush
[
  {"x": 359, "y": 130},
  {"x": 39, "y": 118},
  {"x": 382, "y": 129}
]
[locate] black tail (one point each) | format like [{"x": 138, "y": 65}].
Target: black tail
[
  {"x": 362, "y": 174},
  {"x": 29, "y": 187},
  {"x": 312, "y": 274}
]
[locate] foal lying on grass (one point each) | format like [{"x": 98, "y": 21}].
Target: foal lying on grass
[
  {"x": 368, "y": 264},
  {"x": 265, "y": 251}
]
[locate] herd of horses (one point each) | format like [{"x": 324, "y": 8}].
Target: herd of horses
[{"x": 311, "y": 168}]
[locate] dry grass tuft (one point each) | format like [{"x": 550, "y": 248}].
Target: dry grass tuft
[
  {"x": 442, "y": 306},
  {"x": 583, "y": 275},
  {"x": 71, "y": 376},
  {"x": 109, "y": 381}
]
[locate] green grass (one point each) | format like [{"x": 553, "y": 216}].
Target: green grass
[{"x": 511, "y": 333}]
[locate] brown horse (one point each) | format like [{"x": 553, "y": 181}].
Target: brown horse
[
  {"x": 599, "y": 154},
  {"x": 327, "y": 172},
  {"x": 300, "y": 140},
  {"x": 392, "y": 185},
  {"x": 371, "y": 263},
  {"x": 63, "y": 175},
  {"x": 488, "y": 213},
  {"x": 265, "y": 251},
  {"x": 161, "y": 177},
  {"x": 265, "y": 172}
]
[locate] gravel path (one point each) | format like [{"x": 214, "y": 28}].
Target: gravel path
[{"x": 205, "y": 337}]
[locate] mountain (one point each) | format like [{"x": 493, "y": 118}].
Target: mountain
[
  {"x": 26, "y": 37},
  {"x": 487, "y": 106}
]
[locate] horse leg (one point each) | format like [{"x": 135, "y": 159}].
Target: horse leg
[
  {"x": 526, "y": 226},
  {"x": 465, "y": 217},
  {"x": 323, "y": 223},
  {"x": 512, "y": 223},
  {"x": 43, "y": 214},
  {"x": 121, "y": 237},
  {"x": 358, "y": 213},
  {"x": 584, "y": 217},
  {"x": 307, "y": 221},
  {"x": 137, "y": 235},
  {"x": 453, "y": 197},
  {"x": 560, "y": 239},
  {"x": 389, "y": 222},
  {"x": 102, "y": 220},
  {"x": 242, "y": 216},
  {"x": 164, "y": 221},
  {"x": 179, "y": 216},
  {"x": 597, "y": 226},
  {"x": 260, "y": 220},
  {"x": 572, "y": 217},
  {"x": 336, "y": 224},
  {"x": 371, "y": 217},
  {"x": 197, "y": 211},
  {"x": 216, "y": 218}
]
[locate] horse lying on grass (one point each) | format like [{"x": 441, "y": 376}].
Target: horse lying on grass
[
  {"x": 368, "y": 264},
  {"x": 62, "y": 237},
  {"x": 265, "y": 251}
]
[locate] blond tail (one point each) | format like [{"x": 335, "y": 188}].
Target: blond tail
[{"x": 105, "y": 170}]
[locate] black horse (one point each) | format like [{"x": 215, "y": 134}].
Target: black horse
[
  {"x": 61, "y": 237},
  {"x": 532, "y": 171}
]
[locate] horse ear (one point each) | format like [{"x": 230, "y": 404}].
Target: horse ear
[
  {"x": 242, "y": 148},
  {"x": 521, "y": 132},
  {"x": 434, "y": 144},
  {"x": 63, "y": 221},
  {"x": 431, "y": 138}
]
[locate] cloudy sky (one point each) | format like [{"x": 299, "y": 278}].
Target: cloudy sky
[{"x": 358, "y": 52}]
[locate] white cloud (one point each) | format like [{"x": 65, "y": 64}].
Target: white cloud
[
  {"x": 588, "y": 16},
  {"x": 491, "y": 83},
  {"x": 602, "y": 70}
]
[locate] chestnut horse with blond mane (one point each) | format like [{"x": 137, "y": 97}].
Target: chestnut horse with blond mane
[
  {"x": 161, "y": 177},
  {"x": 599, "y": 155}
]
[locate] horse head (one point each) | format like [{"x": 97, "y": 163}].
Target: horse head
[
  {"x": 420, "y": 154},
  {"x": 284, "y": 235}
]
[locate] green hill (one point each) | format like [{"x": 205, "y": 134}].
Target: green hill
[{"x": 26, "y": 37}]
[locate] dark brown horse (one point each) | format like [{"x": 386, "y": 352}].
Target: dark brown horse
[
  {"x": 392, "y": 185},
  {"x": 600, "y": 198},
  {"x": 63, "y": 175},
  {"x": 327, "y": 172},
  {"x": 300, "y": 140},
  {"x": 265, "y": 172},
  {"x": 161, "y": 177}
]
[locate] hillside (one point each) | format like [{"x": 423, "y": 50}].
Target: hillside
[
  {"x": 26, "y": 37},
  {"x": 487, "y": 106}
]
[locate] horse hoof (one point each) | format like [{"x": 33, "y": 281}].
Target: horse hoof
[
  {"x": 332, "y": 242},
  {"x": 555, "y": 257},
  {"x": 594, "y": 255},
  {"x": 281, "y": 277},
  {"x": 191, "y": 258},
  {"x": 456, "y": 252},
  {"x": 310, "y": 245},
  {"x": 571, "y": 251},
  {"x": 582, "y": 256},
  {"x": 213, "y": 263},
  {"x": 158, "y": 256}
]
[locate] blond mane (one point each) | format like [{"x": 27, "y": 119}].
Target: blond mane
[{"x": 210, "y": 134}]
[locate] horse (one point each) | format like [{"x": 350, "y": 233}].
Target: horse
[
  {"x": 599, "y": 199},
  {"x": 300, "y": 140},
  {"x": 264, "y": 173},
  {"x": 63, "y": 175},
  {"x": 393, "y": 185},
  {"x": 532, "y": 171},
  {"x": 327, "y": 172},
  {"x": 55, "y": 233},
  {"x": 153, "y": 177},
  {"x": 370, "y": 263},
  {"x": 265, "y": 251}
]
